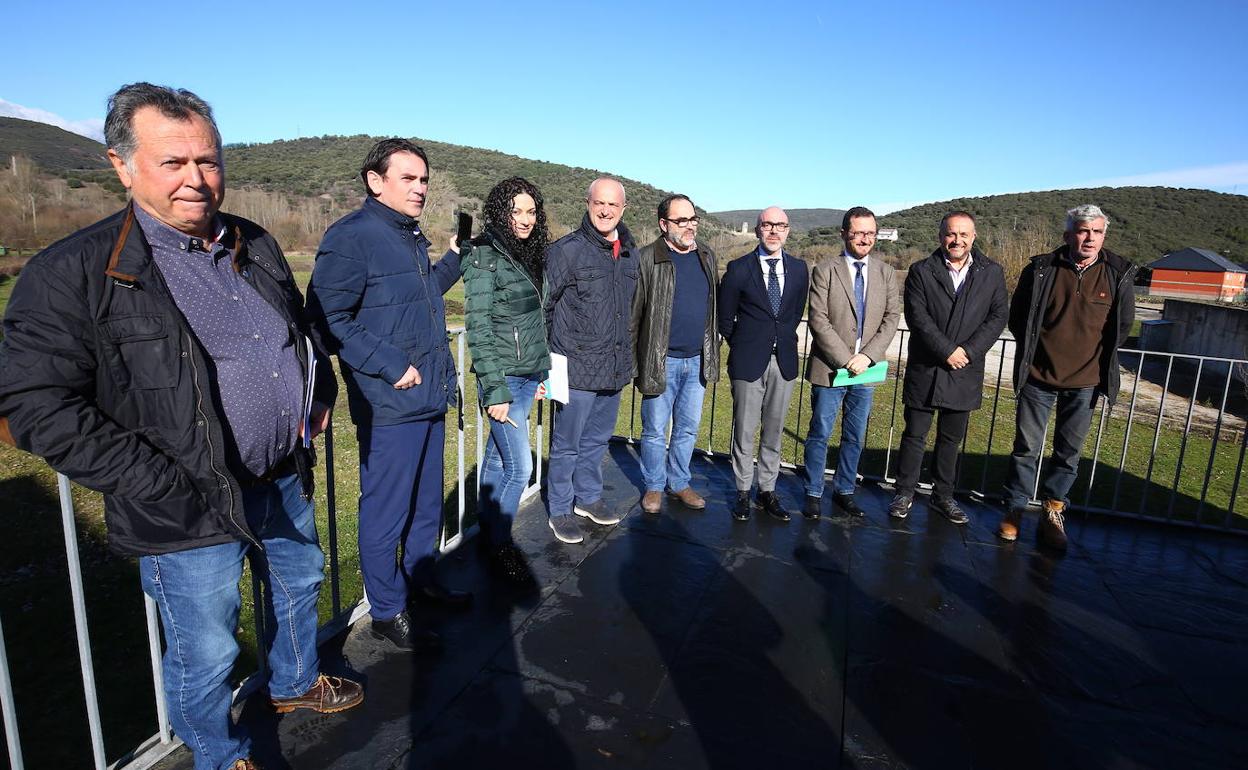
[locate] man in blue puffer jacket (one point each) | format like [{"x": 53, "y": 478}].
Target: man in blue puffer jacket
[{"x": 379, "y": 301}]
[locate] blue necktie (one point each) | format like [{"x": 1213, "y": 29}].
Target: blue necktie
[
  {"x": 773, "y": 286},
  {"x": 860, "y": 293}
]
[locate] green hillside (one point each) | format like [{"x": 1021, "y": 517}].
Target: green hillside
[
  {"x": 800, "y": 220},
  {"x": 52, "y": 149},
  {"x": 331, "y": 164},
  {"x": 1146, "y": 222}
]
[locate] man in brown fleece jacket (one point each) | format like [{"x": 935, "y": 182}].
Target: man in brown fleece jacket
[{"x": 1072, "y": 310}]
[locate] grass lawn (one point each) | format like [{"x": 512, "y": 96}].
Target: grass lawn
[{"x": 6, "y": 288}]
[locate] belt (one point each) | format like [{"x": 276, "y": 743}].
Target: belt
[{"x": 280, "y": 469}]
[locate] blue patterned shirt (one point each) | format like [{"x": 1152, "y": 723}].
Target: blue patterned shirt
[{"x": 258, "y": 377}]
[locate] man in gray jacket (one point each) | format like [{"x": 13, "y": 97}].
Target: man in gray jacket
[{"x": 673, "y": 322}]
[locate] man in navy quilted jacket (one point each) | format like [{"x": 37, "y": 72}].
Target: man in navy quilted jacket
[
  {"x": 379, "y": 300},
  {"x": 591, "y": 274}
]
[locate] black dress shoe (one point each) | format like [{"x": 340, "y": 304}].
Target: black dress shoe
[
  {"x": 813, "y": 507},
  {"x": 741, "y": 508},
  {"x": 771, "y": 505},
  {"x": 400, "y": 632},
  {"x": 439, "y": 595},
  {"x": 846, "y": 503}
]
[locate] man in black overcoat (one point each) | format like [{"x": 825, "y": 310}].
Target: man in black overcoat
[{"x": 956, "y": 307}]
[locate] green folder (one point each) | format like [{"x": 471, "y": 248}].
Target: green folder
[{"x": 875, "y": 373}]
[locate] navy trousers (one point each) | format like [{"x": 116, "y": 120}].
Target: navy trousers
[{"x": 400, "y": 509}]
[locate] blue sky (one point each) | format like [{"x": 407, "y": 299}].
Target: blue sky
[{"x": 739, "y": 105}]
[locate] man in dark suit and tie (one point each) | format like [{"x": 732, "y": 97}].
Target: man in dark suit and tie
[
  {"x": 854, "y": 314},
  {"x": 761, "y": 299}
]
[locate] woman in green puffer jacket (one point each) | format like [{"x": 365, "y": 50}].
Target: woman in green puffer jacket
[{"x": 507, "y": 339}]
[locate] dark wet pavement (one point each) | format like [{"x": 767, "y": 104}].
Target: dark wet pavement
[{"x": 688, "y": 640}]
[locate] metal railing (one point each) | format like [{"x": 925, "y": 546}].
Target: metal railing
[
  {"x": 1131, "y": 415},
  {"x": 1184, "y": 409}
]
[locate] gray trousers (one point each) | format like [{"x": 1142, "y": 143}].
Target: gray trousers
[{"x": 767, "y": 400}]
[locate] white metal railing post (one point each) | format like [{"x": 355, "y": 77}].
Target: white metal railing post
[
  {"x": 1126, "y": 434},
  {"x": 1213, "y": 448},
  {"x": 710, "y": 433},
  {"x": 158, "y": 672},
  {"x": 9, "y": 708},
  {"x": 459, "y": 369},
  {"x": 1161, "y": 415},
  {"x": 992, "y": 419},
  {"x": 897, "y": 388},
  {"x": 1187, "y": 430},
  {"x": 537, "y": 444},
  {"x": 331, "y": 521},
  {"x": 1096, "y": 451},
  {"x": 80, "y": 620},
  {"x": 483, "y": 438}
]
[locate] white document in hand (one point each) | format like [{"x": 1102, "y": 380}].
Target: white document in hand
[
  {"x": 557, "y": 383},
  {"x": 305, "y": 427}
]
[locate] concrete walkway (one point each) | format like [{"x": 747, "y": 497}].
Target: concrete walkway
[{"x": 687, "y": 640}]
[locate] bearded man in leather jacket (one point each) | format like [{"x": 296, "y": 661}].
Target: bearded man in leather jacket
[{"x": 677, "y": 350}]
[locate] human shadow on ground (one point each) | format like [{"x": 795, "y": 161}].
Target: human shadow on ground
[
  {"x": 464, "y": 708},
  {"x": 728, "y": 653},
  {"x": 967, "y": 654}
]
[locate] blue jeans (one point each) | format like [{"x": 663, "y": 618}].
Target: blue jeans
[
  {"x": 825, "y": 403},
  {"x": 197, "y": 594},
  {"x": 400, "y": 509},
  {"x": 508, "y": 462},
  {"x": 665, "y": 464},
  {"x": 1074, "y": 417},
  {"x": 578, "y": 441}
]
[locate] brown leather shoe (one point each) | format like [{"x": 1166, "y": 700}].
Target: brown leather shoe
[
  {"x": 689, "y": 498},
  {"x": 651, "y": 501},
  {"x": 328, "y": 695},
  {"x": 1010, "y": 523},
  {"x": 246, "y": 763},
  {"x": 1052, "y": 528}
]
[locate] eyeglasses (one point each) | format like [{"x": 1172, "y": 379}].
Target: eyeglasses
[
  {"x": 861, "y": 234},
  {"x": 683, "y": 221},
  {"x": 778, "y": 227}
]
